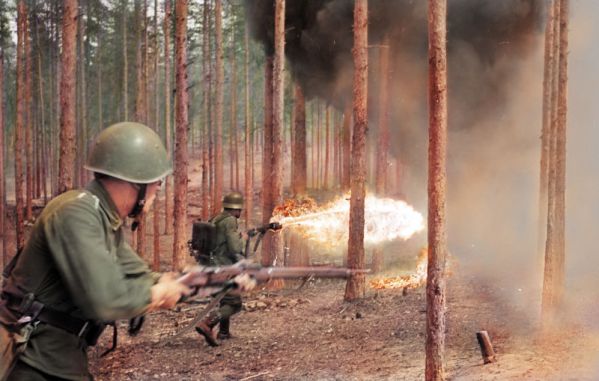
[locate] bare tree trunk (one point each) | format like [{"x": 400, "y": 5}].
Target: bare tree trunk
[
  {"x": 141, "y": 112},
  {"x": 181, "y": 159},
  {"x": 267, "y": 144},
  {"x": 168, "y": 211},
  {"x": 20, "y": 125},
  {"x": 28, "y": 123},
  {"x": 155, "y": 218},
  {"x": 68, "y": 97},
  {"x": 3, "y": 229},
  {"x": 125, "y": 63},
  {"x": 234, "y": 165},
  {"x": 248, "y": 132},
  {"x": 82, "y": 103},
  {"x": 206, "y": 189},
  {"x": 218, "y": 160},
  {"x": 355, "y": 287},
  {"x": 346, "y": 138},
  {"x": 437, "y": 238},
  {"x": 553, "y": 285},
  {"x": 299, "y": 163}
]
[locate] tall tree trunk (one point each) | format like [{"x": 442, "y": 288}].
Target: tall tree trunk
[
  {"x": 28, "y": 122},
  {"x": 206, "y": 189},
  {"x": 383, "y": 138},
  {"x": 298, "y": 180},
  {"x": 68, "y": 96},
  {"x": 3, "y": 229},
  {"x": 155, "y": 217},
  {"x": 125, "y": 64},
  {"x": 141, "y": 111},
  {"x": 168, "y": 211},
  {"x": 274, "y": 242},
  {"x": 20, "y": 126},
  {"x": 248, "y": 131},
  {"x": 553, "y": 283},
  {"x": 181, "y": 159},
  {"x": 234, "y": 169},
  {"x": 82, "y": 103},
  {"x": 218, "y": 160},
  {"x": 355, "y": 287},
  {"x": 267, "y": 144},
  {"x": 346, "y": 145},
  {"x": 437, "y": 238}
]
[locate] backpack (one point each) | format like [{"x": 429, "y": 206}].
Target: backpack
[{"x": 203, "y": 240}]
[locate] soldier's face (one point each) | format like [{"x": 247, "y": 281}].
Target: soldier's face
[{"x": 151, "y": 191}]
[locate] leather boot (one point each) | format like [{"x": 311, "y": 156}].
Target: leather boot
[
  {"x": 223, "y": 329},
  {"x": 206, "y": 328}
]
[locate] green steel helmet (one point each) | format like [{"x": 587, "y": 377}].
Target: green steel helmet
[
  {"x": 129, "y": 151},
  {"x": 233, "y": 200}
]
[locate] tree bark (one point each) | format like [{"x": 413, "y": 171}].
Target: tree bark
[
  {"x": 267, "y": 144},
  {"x": 206, "y": 189},
  {"x": 437, "y": 238},
  {"x": 248, "y": 183},
  {"x": 3, "y": 230},
  {"x": 234, "y": 165},
  {"x": 168, "y": 211},
  {"x": 155, "y": 218},
  {"x": 278, "y": 126},
  {"x": 218, "y": 160},
  {"x": 299, "y": 178},
  {"x": 20, "y": 126},
  {"x": 181, "y": 157},
  {"x": 28, "y": 122},
  {"x": 125, "y": 64},
  {"x": 67, "y": 97},
  {"x": 553, "y": 282},
  {"x": 355, "y": 287}
]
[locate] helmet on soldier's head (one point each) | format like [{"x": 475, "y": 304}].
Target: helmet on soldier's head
[
  {"x": 233, "y": 200},
  {"x": 129, "y": 151}
]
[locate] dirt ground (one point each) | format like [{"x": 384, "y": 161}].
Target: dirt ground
[{"x": 311, "y": 334}]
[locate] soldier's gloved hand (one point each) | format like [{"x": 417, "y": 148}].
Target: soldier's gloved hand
[
  {"x": 245, "y": 282},
  {"x": 167, "y": 292}
]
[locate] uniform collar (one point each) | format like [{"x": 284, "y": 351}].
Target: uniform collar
[{"x": 98, "y": 190}]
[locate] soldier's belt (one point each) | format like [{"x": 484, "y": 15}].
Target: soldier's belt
[{"x": 31, "y": 310}]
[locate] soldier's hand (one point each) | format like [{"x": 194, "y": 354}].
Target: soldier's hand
[
  {"x": 167, "y": 292},
  {"x": 245, "y": 282}
]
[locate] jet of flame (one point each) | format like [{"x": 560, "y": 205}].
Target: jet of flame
[
  {"x": 413, "y": 280},
  {"x": 385, "y": 220}
]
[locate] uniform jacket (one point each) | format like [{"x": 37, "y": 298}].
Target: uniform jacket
[
  {"x": 229, "y": 243},
  {"x": 77, "y": 261}
]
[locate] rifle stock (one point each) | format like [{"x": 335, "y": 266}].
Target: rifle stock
[{"x": 219, "y": 276}]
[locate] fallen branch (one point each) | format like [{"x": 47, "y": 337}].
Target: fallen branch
[{"x": 254, "y": 376}]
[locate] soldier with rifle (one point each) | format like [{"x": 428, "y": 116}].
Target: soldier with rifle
[
  {"x": 228, "y": 250},
  {"x": 76, "y": 272}
]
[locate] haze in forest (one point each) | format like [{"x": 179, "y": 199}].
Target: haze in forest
[{"x": 495, "y": 58}]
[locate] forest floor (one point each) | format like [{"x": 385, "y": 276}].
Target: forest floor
[{"x": 311, "y": 334}]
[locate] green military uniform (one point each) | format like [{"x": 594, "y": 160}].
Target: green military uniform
[
  {"x": 229, "y": 250},
  {"x": 77, "y": 262}
]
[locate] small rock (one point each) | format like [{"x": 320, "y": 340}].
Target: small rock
[{"x": 358, "y": 315}]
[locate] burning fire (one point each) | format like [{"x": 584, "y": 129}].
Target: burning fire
[
  {"x": 385, "y": 220},
  {"x": 414, "y": 280}
]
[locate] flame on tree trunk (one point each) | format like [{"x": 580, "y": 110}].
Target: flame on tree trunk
[
  {"x": 355, "y": 287},
  {"x": 437, "y": 238}
]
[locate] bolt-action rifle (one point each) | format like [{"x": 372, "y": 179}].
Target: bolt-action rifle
[
  {"x": 223, "y": 279},
  {"x": 222, "y": 276}
]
